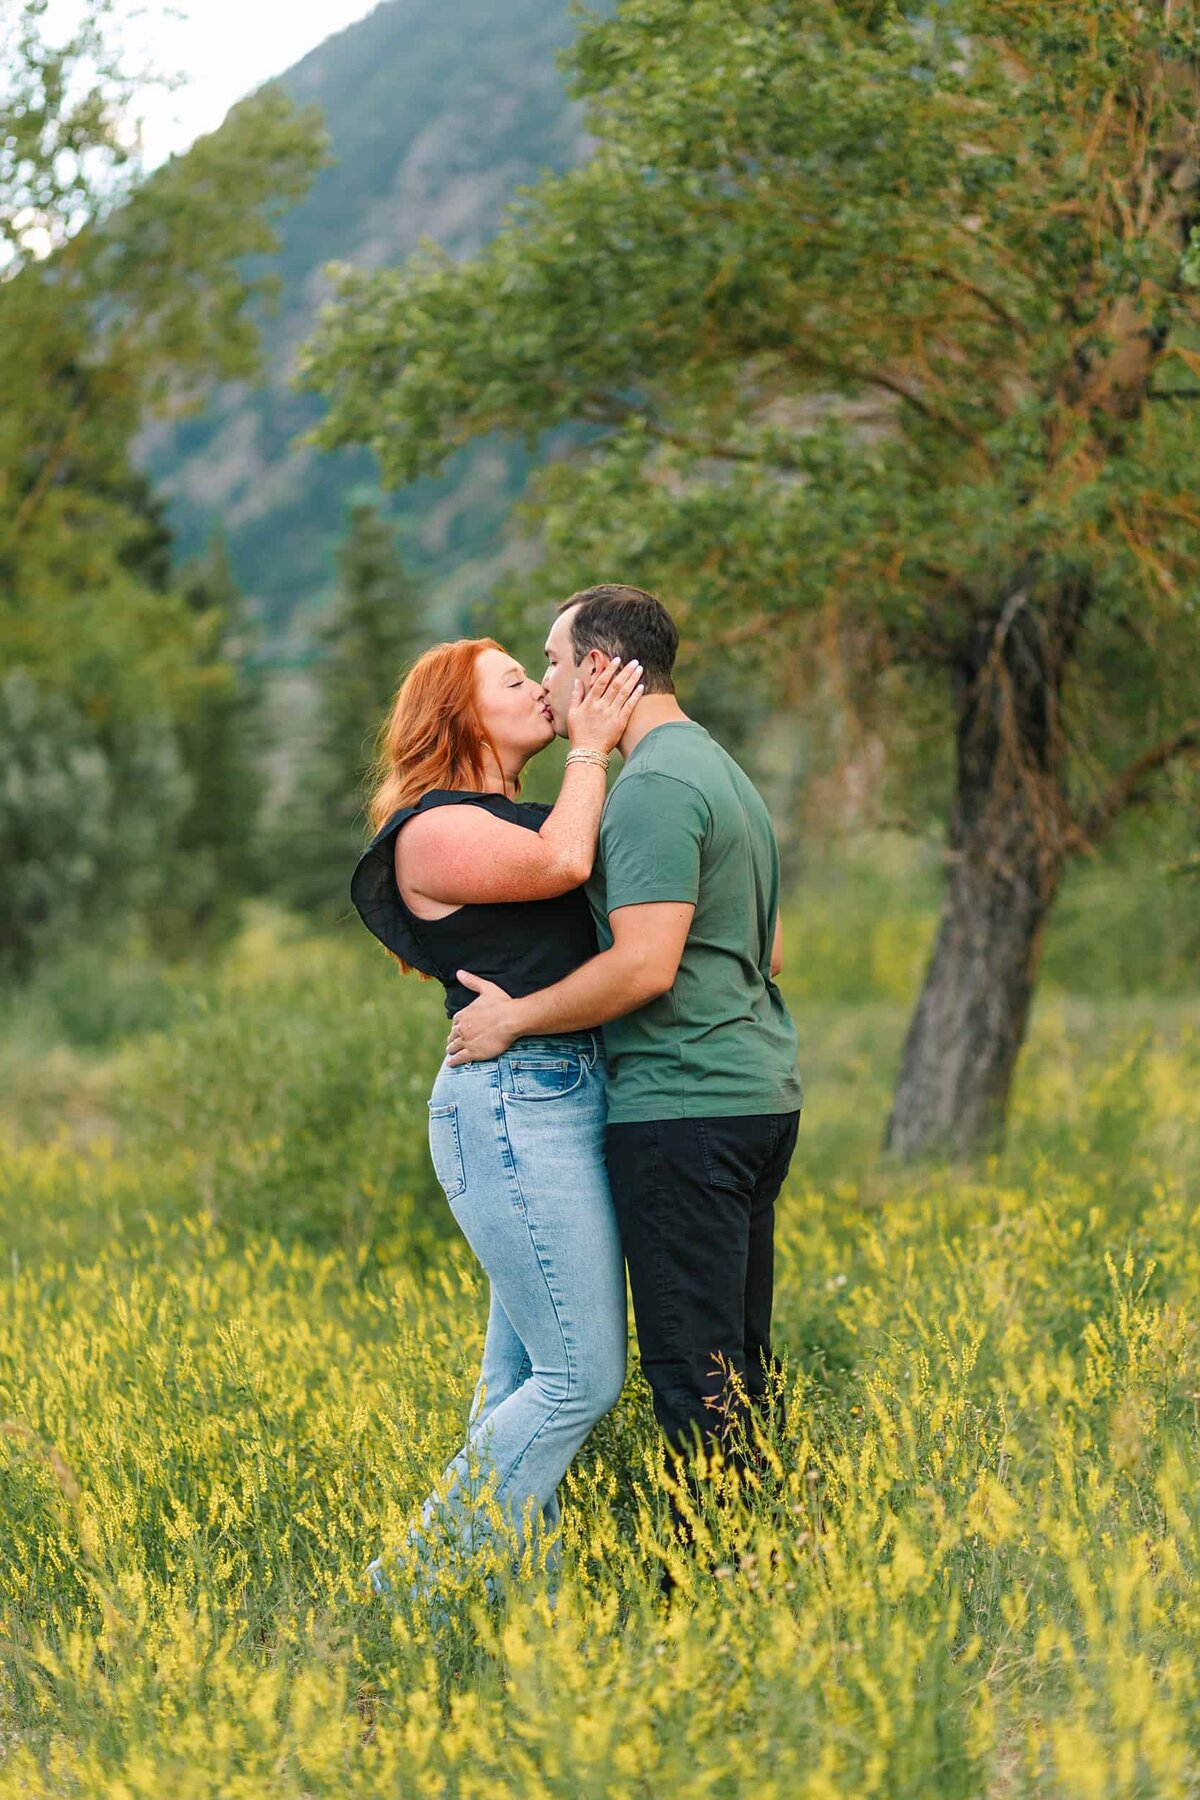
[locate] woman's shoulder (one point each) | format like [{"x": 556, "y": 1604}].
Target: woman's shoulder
[
  {"x": 498, "y": 804},
  {"x": 458, "y": 797},
  {"x": 437, "y": 797}
]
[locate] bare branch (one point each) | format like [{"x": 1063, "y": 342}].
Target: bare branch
[
  {"x": 891, "y": 384},
  {"x": 1100, "y": 818},
  {"x": 748, "y": 628},
  {"x": 51, "y": 466},
  {"x": 604, "y": 412}
]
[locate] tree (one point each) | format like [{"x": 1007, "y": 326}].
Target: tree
[
  {"x": 884, "y": 313},
  {"x": 75, "y": 850},
  {"x": 119, "y": 295},
  {"x": 215, "y": 858},
  {"x": 374, "y": 628}
]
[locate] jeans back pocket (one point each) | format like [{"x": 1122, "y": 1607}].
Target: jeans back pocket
[
  {"x": 446, "y": 1150},
  {"x": 544, "y": 1077}
]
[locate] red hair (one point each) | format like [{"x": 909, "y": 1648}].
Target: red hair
[{"x": 433, "y": 737}]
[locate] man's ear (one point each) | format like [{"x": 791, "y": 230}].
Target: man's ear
[{"x": 590, "y": 667}]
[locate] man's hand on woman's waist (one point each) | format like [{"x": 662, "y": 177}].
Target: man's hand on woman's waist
[
  {"x": 486, "y": 1027},
  {"x": 642, "y": 964}
]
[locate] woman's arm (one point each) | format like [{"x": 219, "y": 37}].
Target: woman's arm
[{"x": 461, "y": 855}]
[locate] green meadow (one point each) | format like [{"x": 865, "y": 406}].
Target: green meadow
[{"x": 238, "y": 1337}]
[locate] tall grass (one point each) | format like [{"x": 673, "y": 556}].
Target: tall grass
[{"x": 238, "y": 1338}]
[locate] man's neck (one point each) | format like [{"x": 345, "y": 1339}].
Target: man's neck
[{"x": 651, "y": 710}]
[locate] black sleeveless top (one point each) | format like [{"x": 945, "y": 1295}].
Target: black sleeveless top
[{"x": 522, "y": 945}]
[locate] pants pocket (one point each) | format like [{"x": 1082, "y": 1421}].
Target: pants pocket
[
  {"x": 446, "y": 1150},
  {"x": 544, "y": 1077},
  {"x": 733, "y": 1151}
]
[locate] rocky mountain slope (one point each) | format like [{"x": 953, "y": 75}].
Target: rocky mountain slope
[{"x": 436, "y": 113}]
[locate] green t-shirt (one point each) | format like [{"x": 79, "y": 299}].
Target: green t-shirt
[{"x": 684, "y": 822}]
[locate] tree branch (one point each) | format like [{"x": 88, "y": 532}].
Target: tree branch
[
  {"x": 748, "y": 628},
  {"x": 51, "y": 466},
  {"x": 726, "y": 209},
  {"x": 891, "y": 384},
  {"x": 1100, "y": 818},
  {"x": 608, "y": 413},
  {"x": 958, "y": 280}
]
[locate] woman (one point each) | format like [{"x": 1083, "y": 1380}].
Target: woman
[{"x": 460, "y": 874}]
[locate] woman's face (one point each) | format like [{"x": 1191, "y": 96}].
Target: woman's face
[{"x": 512, "y": 706}]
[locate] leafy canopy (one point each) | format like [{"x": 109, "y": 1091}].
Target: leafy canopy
[{"x": 866, "y": 306}]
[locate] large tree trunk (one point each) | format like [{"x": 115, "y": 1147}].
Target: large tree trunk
[{"x": 1008, "y": 843}]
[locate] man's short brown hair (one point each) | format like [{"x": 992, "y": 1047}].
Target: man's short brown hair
[{"x": 626, "y": 622}]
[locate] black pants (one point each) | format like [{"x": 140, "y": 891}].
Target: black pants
[{"x": 695, "y": 1205}]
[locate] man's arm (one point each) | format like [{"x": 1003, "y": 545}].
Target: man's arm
[
  {"x": 777, "y": 948},
  {"x": 648, "y": 942}
]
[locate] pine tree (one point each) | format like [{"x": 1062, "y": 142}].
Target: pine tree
[
  {"x": 374, "y": 628},
  {"x": 216, "y": 860}
]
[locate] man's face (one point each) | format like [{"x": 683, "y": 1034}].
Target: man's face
[{"x": 561, "y": 669}]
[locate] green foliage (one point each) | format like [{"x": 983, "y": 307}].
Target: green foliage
[
  {"x": 117, "y": 296},
  {"x": 292, "y": 1104},
  {"x": 85, "y": 811},
  {"x": 182, "y": 260},
  {"x": 83, "y": 996},
  {"x": 867, "y": 310},
  {"x": 215, "y": 858},
  {"x": 301, "y": 1108},
  {"x": 1128, "y": 923},
  {"x": 61, "y": 102},
  {"x": 374, "y": 628},
  {"x": 862, "y": 922}
]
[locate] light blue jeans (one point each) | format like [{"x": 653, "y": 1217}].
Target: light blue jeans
[{"x": 518, "y": 1147}]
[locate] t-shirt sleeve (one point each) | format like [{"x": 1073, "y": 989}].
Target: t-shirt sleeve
[{"x": 653, "y": 830}]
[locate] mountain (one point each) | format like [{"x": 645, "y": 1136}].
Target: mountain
[{"x": 436, "y": 115}]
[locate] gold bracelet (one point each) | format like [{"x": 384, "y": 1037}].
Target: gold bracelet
[{"x": 589, "y": 756}]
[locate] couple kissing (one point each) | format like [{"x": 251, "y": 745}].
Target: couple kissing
[{"x": 620, "y": 1085}]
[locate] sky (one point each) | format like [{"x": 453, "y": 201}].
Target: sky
[
  {"x": 215, "y": 51},
  {"x": 223, "y": 49}
]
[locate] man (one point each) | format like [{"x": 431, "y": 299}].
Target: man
[{"x": 704, "y": 1096}]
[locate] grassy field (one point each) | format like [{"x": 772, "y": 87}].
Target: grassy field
[{"x": 238, "y": 1338}]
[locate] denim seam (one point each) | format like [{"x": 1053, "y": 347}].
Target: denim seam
[
  {"x": 554, "y": 1303},
  {"x": 556, "y": 1094},
  {"x": 507, "y": 1158},
  {"x": 713, "y": 1178},
  {"x": 550, "y": 1417},
  {"x": 449, "y": 1113},
  {"x": 514, "y": 1467},
  {"x": 667, "y": 1311},
  {"x": 537, "y": 1248}
]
